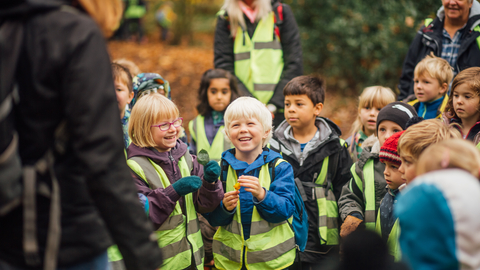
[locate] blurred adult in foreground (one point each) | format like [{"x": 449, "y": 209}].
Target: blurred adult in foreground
[{"x": 64, "y": 76}]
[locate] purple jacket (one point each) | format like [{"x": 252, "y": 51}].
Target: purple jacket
[{"x": 162, "y": 201}]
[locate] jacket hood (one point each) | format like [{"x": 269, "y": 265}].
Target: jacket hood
[
  {"x": 369, "y": 151},
  {"x": 160, "y": 157},
  {"x": 324, "y": 125},
  {"x": 474, "y": 11},
  {"x": 327, "y": 131},
  {"x": 451, "y": 204},
  {"x": 265, "y": 157}
]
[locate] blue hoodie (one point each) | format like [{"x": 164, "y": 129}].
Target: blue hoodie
[{"x": 277, "y": 205}]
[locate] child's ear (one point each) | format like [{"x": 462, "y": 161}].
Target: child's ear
[
  {"x": 266, "y": 133},
  {"x": 318, "y": 109},
  {"x": 444, "y": 88},
  {"x": 130, "y": 96}
]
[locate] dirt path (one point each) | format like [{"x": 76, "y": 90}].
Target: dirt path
[{"x": 183, "y": 67}]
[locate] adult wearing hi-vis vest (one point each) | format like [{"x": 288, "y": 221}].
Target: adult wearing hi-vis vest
[{"x": 259, "y": 42}]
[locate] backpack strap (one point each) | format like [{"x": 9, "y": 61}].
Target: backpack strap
[
  {"x": 223, "y": 173},
  {"x": 278, "y": 19}
]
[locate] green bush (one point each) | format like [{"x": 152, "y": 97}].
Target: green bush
[{"x": 354, "y": 43}]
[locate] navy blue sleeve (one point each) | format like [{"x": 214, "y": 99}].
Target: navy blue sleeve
[{"x": 278, "y": 204}]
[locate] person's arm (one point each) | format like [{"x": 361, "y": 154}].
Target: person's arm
[
  {"x": 220, "y": 216},
  {"x": 406, "y": 79},
  {"x": 92, "y": 117},
  {"x": 223, "y": 52},
  {"x": 161, "y": 201},
  {"x": 209, "y": 195},
  {"x": 292, "y": 54},
  {"x": 278, "y": 204},
  {"x": 351, "y": 198}
]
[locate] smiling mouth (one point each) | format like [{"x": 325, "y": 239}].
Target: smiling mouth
[
  {"x": 170, "y": 137},
  {"x": 245, "y": 139}
]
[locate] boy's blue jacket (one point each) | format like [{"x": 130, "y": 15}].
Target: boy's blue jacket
[{"x": 278, "y": 204}]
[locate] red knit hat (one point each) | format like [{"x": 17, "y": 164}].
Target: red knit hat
[{"x": 389, "y": 152}]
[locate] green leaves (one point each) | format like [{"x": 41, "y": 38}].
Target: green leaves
[
  {"x": 355, "y": 44},
  {"x": 203, "y": 157}
]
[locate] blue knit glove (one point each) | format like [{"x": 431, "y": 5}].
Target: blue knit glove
[
  {"x": 211, "y": 171},
  {"x": 187, "y": 185}
]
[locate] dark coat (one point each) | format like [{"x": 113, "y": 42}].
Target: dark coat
[
  {"x": 292, "y": 51},
  {"x": 429, "y": 39},
  {"x": 64, "y": 74},
  {"x": 326, "y": 145}
]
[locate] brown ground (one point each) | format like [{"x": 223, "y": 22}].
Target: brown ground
[{"x": 184, "y": 65}]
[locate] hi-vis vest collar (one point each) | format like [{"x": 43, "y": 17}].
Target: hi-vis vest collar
[
  {"x": 270, "y": 246},
  {"x": 179, "y": 236},
  {"x": 220, "y": 142}
]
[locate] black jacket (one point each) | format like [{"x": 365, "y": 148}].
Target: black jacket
[
  {"x": 64, "y": 74},
  {"x": 327, "y": 144},
  {"x": 292, "y": 51},
  {"x": 429, "y": 39}
]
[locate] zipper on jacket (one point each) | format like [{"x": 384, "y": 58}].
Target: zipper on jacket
[
  {"x": 173, "y": 162},
  {"x": 431, "y": 39}
]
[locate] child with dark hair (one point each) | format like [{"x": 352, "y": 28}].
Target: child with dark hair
[
  {"x": 218, "y": 88},
  {"x": 320, "y": 161}
]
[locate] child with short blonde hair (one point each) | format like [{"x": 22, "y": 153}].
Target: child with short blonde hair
[
  {"x": 450, "y": 153},
  {"x": 416, "y": 139},
  {"x": 370, "y": 102},
  {"x": 432, "y": 77},
  {"x": 253, "y": 216},
  {"x": 438, "y": 211},
  {"x": 176, "y": 185}
]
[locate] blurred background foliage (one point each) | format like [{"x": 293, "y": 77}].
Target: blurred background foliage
[{"x": 352, "y": 43}]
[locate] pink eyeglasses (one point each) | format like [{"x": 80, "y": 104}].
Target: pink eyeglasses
[{"x": 166, "y": 125}]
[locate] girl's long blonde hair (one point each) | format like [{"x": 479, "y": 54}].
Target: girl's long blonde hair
[
  {"x": 107, "y": 13},
  {"x": 373, "y": 96},
  {"x": 235, "y": 13}
]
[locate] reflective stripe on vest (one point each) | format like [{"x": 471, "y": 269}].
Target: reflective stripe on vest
[
  {"x": 327, "y": 209},
  {"x": 179, "y": 236},
  {"x": 220, "y": 142},
  {"x": 270, "y": 246},
  {"x": 392, "y": 241},
  {"x": 368, "y": 191},
  {"x": 259, "y": 61}
]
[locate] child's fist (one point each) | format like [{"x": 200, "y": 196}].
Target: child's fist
[
  {"x": 252, "y": 185},
  {"x": 230, "y": 200}
]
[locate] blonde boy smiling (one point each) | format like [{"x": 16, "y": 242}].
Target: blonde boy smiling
[{"x": 254, "y": 216}]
